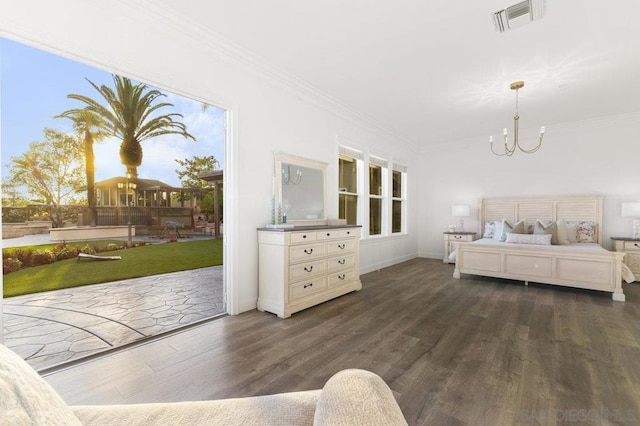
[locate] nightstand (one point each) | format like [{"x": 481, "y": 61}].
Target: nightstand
[
  {"x": 631, "y": 248},
  {"x": 455, "y": 237}
]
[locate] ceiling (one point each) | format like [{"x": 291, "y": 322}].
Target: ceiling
[{"x": 437, "y": 71}]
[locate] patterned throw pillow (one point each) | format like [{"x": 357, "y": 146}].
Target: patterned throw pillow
[
  {"x": 585, "y": 232},
  {"x": 489, "y": 229}
]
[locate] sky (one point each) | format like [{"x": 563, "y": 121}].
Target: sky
[{"x": 33, "y": 89}]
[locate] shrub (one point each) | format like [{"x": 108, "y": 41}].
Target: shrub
[
  {"x": 87, "y": 249},
  {"x": 10, "y": 264},
  {"x": 42, "y": 257},
  {"x": 21, "y": 254},
  {"x": 63, "y": 251}
]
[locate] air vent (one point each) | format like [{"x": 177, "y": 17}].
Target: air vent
[{"x": 518, "y": 15}]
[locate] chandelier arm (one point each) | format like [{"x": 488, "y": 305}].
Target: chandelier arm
[
  {"x": 532, "y": 150},
  {"x": 499, "y": 155}
]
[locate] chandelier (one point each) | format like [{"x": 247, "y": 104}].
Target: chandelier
[{"x": 509, "y": 150}]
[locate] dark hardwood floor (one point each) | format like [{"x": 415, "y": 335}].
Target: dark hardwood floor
[{"x": 472, "y": 351}]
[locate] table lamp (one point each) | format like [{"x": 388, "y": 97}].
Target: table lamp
[
  {"x": 460, "y": 211},
  {"x": 632, "y": 209}
]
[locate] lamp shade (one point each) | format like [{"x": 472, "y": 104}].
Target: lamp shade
[
  {"x": 631, "y": 209},
  {"x": 460, "y": 211}
]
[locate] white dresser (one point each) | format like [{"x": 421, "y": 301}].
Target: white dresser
[{"x": 302, "y": 267}]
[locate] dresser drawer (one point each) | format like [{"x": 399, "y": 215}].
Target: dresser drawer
[
  {"x": 300, "y": 253},
  {"x": 341, "y": 263},
  {"x": 307, "y": 269},
  {"x": 302, "y": 237},
  {"x": 341, "y": 246},
  {"x": 307, "y": 288},
  {"x": 346, "y": 233},
  {"x": 339, "y": 278},
  {"x": 328, "y": 234},
  {"x": 632, "y": 245}
]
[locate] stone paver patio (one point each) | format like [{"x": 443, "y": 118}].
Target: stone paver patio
[{"x": 58, "y": 326}]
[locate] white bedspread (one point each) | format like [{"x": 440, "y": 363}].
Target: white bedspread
[{"x": 627, "y": 275}]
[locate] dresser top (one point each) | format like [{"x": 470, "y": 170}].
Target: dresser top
[
  {"x": 309, "y": 228},
  {"x": 625, "y": 239}
]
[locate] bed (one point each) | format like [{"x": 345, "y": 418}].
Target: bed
[{"x": 582, "y": 265}]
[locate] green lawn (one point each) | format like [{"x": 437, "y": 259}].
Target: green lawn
[{"x": 136, "y": 262}]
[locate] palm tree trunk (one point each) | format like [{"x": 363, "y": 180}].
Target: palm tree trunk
[{"x": 91, "y": 171}]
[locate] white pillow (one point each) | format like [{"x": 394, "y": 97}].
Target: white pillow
[
  {"x": 562, "y": 232},
  {"x": 498, "y": 231},
  {"x": 505, "y": 226},
  {"x": 537, "y": 239},
  {"x": 490, "y": 229}
]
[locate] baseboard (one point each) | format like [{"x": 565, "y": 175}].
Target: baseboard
[
  {"x": 391, "y": 262},
  {"x": 247, "y": 305},
  {"x": 431, "y": 255}
]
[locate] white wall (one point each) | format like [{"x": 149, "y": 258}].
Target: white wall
[
  {"x": 270, "y": 111},
  {"x": 590, "y": 157}
]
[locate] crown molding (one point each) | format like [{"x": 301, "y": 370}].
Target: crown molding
[
  {"x": 158, "y": 16},
  {"x": 236, "y": 55}
]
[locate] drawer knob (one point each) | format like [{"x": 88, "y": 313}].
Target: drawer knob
[
  {"x": 342, "y": 276},
  {"x": 308, "y": 285},
  {"x": 341, "y": 246},
  {"x": 308, "y": 251},
  {"x": 309, "y": 269},
  {"x": 304, "y": 236},
  {"x": 328, "y": 234},
  {"x": 342, "y": 262},
  {"x": 636, "y": 245}
]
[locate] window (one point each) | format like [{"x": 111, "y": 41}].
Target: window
[
  {"x": 372, "y": 193},
  {"x": 377, "y": 178},
  {"x": 397, "y": 198},
  {"x": 349, "y": 163}
]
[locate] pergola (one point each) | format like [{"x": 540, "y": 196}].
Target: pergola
[
  {"x": 215, "y": 177},
  {"x": 137, "y": 191}
]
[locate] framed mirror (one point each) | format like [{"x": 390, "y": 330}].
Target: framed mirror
[{"x": 299, "y": 190}]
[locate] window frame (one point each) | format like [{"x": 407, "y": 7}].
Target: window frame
[
  {"x": 399, "y": 168},
  {"x": 358, "y": 156},
  {"x": 383, "y": 164}
]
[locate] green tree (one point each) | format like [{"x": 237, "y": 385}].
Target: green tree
[
  {"x": 132, "y": 114},
  {"x": 11, "y": 195},
  {"x": 50, "y": 170},
  {"x": 188, "y": 174},
  {"x": 90, "y": 128}
]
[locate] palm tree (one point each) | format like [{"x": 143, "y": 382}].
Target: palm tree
[
  {"x": 90, "y": 127},
  {"x": 129, "y": 116}
]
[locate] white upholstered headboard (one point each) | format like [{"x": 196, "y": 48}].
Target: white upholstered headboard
[{"x": 569, "y": 208}]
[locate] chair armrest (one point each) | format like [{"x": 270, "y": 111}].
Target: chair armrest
[{"x": 357, "y": 397}]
